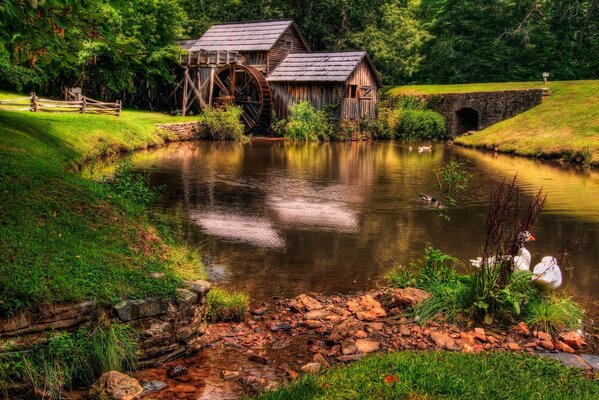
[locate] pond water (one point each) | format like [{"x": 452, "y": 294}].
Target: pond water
[{"x": 278, "y": 219}]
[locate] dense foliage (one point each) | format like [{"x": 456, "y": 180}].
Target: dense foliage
[
  {"x": 411, "y": 120},
  {"x": 221, "y": 124},
  {"x": 306, "y": 124},
  {"x": 124, "y": 48}
]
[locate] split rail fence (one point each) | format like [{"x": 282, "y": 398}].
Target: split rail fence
[{"x": 82, "y": 104}]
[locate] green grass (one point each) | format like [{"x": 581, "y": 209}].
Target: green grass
[
  {"x": 444, "y": 375},
  {"x": 64, "y": 238},
  {"x": 224, "y": 305},
  {"x": 553, "y": 313},
  {"x": 565, "y": 125}
]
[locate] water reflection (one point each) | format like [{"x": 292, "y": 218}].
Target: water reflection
[{"x": 279, "y": 218}]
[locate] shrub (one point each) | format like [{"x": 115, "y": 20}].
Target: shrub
[
  {"x": 408, "y": 103},
  {"x": 305, "y": 123},
  {"x": 65, "y": 359},
  {"x": 422, "y": 124},
  {"x": 553, "y": 313},
  {"x": 221, "y": 124},
  {"x": 132, "y": 186},
  {"x": 224, "y": 305}
]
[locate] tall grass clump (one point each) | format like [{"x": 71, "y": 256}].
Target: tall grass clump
[
  {"x": 132, "y": 186},
  {"x": 66, "y": 359},
  {"x": 553, "y": 313},
  {"x": 221, "y": 124},
  {"x": 306, "y": 124},
  {"x": 224, "y": 305}
]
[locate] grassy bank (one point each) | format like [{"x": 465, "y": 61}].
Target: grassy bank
[
  {"x": 444, "y": 375},
  {"x": 64, "y": 238},
  {"x": 565, "y": 125}
]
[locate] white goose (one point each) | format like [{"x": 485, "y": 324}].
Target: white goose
[
  {"x": 521, "y": 260},
  {"x": 547, "y": 274},
  {"x": 424, "y": 148}
]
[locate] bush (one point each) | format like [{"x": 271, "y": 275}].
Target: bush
[
  {"x": 66, "y": 359},
  {"x": 221, "y": 124},
  {"x": 421, "y": 125},
  {"x": 305, "y": 123},
  {"x": 553, "y": 313},
  {"x": 224, "y": 305},
  {"x": 134, "y": 187}
]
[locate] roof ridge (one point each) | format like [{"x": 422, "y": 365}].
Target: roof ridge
[{"x": 252, "y": 21}]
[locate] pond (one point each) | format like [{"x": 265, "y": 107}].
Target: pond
[{"x": 277, "y": 219}]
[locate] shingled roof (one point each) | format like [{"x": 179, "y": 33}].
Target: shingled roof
[
  {"x": 319, "y": 66},
  {"x": 244, "y": 36}
]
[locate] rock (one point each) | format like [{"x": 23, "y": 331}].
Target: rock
[
  {"x": 311, "y": 368},
  {"x": 522, "y": 329},
  {"x": 344, "y": 329},
  {"x": 513, "y": 346},
  {"x": 542, "y": 335},
  {"x": 351, "y": 357},
  {"x": 404, "y": 330},
  {"x": 467, "y": 338},
  {"x": 309, "y": 303},
  {"x": 135, "y": 309},
  {"x": 319, "y": 358},
  {"x": 467, "y": 349},
  {"x": 440, "y": 339},
  {"x": 367, "y": 345},
  {"x": 185, "y": 389},
  {"x": 186, "y": 297},
  {"x": 491, "y": 339},
  {"x": 200, "y": 287},
  {"x": 592, "y": 360},
  {"x": 229, "y": 375},
  {"x": 312, "y": 324},
  {"x": 259, "y": 311},
  {"x": 348, "y": 347},
  {"x": 569, "y": 360},
  {"x": 546, "y": 344},
  {"x": 352, "y": 305},
  {"x": 479, "y": 334},
  {"x": 271, "y": 386},
  {"x": 113, "y": 385},
  {"x": 532, "y": 344},
  {"x": 316, "y": 315},
  {"x": 374, "y": 327},
  {"x": 259, "y": 359},
  {"x": 360, "y": 334},
  {"x": 176, "y": 371},
  {"x": 408, "y": 297},
  {"x": 572, "y": 339},
  {"x": 280, "y": 327},
  {"x": 152, "y": 386},
  {"x": 561, "y": 346},
  {"x": 365, "y": 315}
]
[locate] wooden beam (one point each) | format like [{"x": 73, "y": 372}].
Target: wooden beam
[
  {"x": 185, "y": 87},
  {"x": 211, "y": 87}
]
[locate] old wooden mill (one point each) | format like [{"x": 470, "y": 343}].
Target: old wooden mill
[{"x": 267, "y": 66}]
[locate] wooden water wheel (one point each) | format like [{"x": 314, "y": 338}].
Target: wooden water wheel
[{"x": 246, "y": 87}]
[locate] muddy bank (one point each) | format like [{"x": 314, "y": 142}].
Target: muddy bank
[{"x": 280, "y": 341}]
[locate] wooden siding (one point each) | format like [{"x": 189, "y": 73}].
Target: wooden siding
[
  {"x": 290, "y": 41},
  {"x": 318, "y": 94},
  {"x": 256, "y": 59},
  {"x": 363, "y": 77}
]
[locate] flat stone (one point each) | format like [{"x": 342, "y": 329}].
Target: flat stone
[
  {"x": 200, "y": 287},
  {"x": 513, "y": 346},
  {"x": 135, "y": 309},
  {"x": 440, "y": 339},
  {"x": 367, "y": 345},
  {"x": 572, "y": 339},
  {"x": 175, "y": 371},
  {"x": 229, "y": 375},
  {"x": 348, "y": 347},
  {"x": 316, "y": 315},
  {"x": 310, "y": 303},
  {"x": 312, "y": 324},
  {"x": 360, "y": 334},
  {"x": 152, "y": 386},
  {"x": 259, "y": 311},
  {"x": 259, "y": 359},
  {"x": 467, "y": 338},
  {"x": 186, "y": 297},
  {"x": 350, "y": 357},
  {"x": 311, "y": 368},
  {"x": 404, "y": 330},
  {"x": 546, "y": 344},
  {"x": 521, "y": 328},
  {"x": 113, "y": 385},
  {"x": 542, "y": 335},
  {"x": 569, "y": 360},
  {"x": 561, "y": 346},
  {"x": 479, "y": 334},
  {"x": 409, "y": 296},
  {"x": 319, "y": 358},
  {"x": 280, "y": 327},
  {"x": 592, "y": 360},
  {"x": 365, "y": 315}
]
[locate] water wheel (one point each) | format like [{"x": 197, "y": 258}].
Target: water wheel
[{"x": 246, "y": 87}]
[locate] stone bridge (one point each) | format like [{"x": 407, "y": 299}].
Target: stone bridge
[{"x": 474, "y": 111}]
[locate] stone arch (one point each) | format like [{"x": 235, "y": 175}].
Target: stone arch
[{"x": 467, "y": 119}]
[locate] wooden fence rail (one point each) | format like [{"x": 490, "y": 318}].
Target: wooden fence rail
[{"x": 83, "y": 105}]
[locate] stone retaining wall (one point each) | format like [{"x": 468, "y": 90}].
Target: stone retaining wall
[
  {"x": 167, "y": 329},
  {"x": 183, "y": 130}
]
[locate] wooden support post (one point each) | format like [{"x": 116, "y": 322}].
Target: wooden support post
[
  {"x": 34, "y": 103},
  {"x": 118, "y": 111},
  {"x": 83, "y": 105},
  {"x": 211, "y": 89},
  {"x": 185, "y": 88}
]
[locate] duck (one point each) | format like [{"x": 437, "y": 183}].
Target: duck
[
  {"x": 430, "y": 199},
  {"x": 424, "y": 148},
  {"x": 547, "y": 275},
  {"x": 521, "y": 261},
  {"x": 410, "y": 148}
]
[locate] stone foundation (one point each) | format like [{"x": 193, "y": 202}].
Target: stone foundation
[
  {"x": 167, "y": 329},
  {"x": 183, "y": 130}
]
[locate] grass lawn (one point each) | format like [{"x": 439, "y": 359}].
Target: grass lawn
[
  {"x": 64, "y": 238},
  {"x": 444, "y": 375},
  {"x": 565, "y": 125}
]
